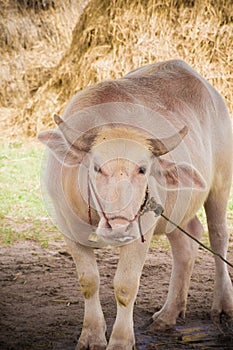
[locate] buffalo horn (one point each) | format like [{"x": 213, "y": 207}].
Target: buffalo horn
[
  {"x": 83, "y": 143},
  {"x": 165, "y": 145}
]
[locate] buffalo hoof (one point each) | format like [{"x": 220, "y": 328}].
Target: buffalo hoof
[
  {"x": 216, "y": 316},
  {"x": 155, "y": 325},
  {"x": 122, "y": 347},
  {"x": 81, "y": 346},
  {"x": 88, "y": 344}
]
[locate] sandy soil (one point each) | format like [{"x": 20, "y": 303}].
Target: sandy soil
[{"x": 41, "y": 306}]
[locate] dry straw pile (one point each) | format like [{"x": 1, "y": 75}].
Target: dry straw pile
[
  {"x": 34, "y": 36},
  {"x": 110, "y": 38}
]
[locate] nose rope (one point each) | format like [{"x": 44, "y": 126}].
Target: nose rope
[
  {"x": 151, "y": 205},
  {"x": 90, "y": 186}
]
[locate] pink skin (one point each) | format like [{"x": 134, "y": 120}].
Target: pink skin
[{"x": 126, "y": 184}]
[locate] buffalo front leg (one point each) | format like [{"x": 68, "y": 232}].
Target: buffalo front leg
[
  {"x": 183, "y": 252},
  {"x": 126, "y": 284},
  {"x": 94, "y": 327}
]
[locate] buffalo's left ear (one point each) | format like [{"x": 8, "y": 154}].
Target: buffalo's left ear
[{"x": 178, "y": 176}]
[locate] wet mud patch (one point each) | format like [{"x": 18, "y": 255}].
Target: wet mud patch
[
  {"x": 193, "y": 335},
  {"x": 41, "y": 306}
]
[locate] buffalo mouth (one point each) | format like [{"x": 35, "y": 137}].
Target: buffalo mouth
[{"x": 117, "y": 229}]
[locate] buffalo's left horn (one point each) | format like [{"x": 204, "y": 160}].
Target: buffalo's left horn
[
  {"x": 165, "y": 145},
  {"x": 83, "y": 143}
]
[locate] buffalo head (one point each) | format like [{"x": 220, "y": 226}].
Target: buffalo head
[{"x": 119, "y": 162}]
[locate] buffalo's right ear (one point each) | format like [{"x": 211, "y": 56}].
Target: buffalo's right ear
[{"x": 62, "y": 150}]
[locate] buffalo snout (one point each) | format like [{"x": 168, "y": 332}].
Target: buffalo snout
[{"x": 120, "y": 225}]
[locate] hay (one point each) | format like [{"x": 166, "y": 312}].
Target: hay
[
  {"x": 34, "y": 35},
  {"x": 114, "y": 36}
]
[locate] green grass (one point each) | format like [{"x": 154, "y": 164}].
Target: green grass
[{"x": 22, "y": 212}]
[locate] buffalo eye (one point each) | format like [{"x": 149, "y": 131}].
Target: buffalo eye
[
  {"x": 142, "y": 170},
  {"x": 97, "y": 169}
]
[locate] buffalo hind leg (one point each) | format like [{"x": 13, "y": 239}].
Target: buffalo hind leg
[
  {"x": 93, "y": 332},
  {"x": 184, "y": 251},
  {"x": 215, "y": 207}
]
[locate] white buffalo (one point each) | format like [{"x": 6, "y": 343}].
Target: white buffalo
[{"x": 160, "y": 132}]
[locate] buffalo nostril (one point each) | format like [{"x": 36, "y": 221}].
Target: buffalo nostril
[{"x": 119, "y": 224}]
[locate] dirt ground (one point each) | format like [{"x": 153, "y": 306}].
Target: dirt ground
[{"x": 41, "y": 306}]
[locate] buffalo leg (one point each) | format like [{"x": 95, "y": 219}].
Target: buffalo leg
[
  {"x": 215, "y": 207},
  {"x": 126, "y": 284},
  {"x": 94, "y": 327},
  {"x": 183, "y": 251}
]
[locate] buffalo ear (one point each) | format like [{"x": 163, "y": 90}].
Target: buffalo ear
[
  {"x": 179, "y": 176},
  {"x": 62, "y": 150}
]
